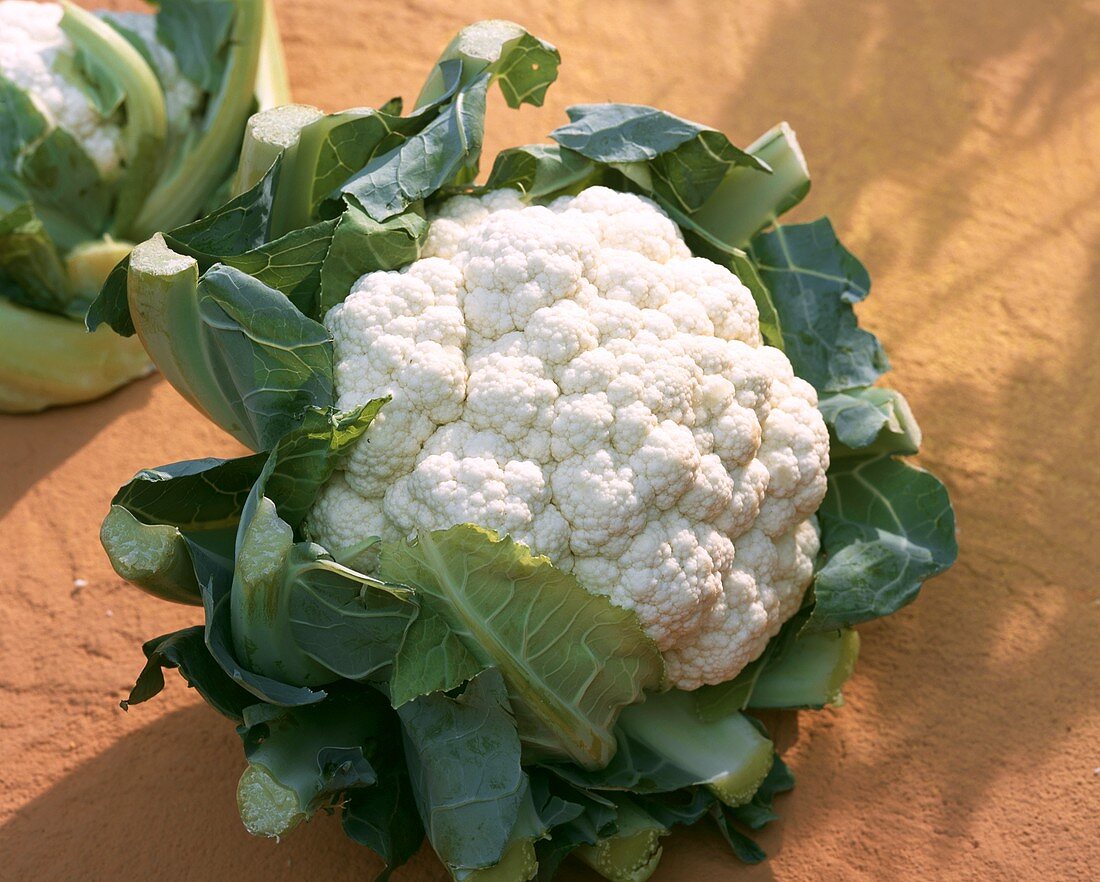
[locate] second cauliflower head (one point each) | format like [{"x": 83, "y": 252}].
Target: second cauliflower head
[{"x": 572, "y": 376}]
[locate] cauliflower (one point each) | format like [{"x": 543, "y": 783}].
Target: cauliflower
[
  {"x": 34, "y": 53},
  {"x": 37, "y": 56},
  {"x": 572, "y": 376}
]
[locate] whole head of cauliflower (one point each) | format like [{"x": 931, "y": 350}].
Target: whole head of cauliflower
[{"x": 572, "y": 376}]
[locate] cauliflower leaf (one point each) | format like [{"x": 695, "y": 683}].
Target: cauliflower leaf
[{"x": 571, "y": 660}]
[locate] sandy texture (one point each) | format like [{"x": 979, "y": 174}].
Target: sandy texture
[{"x": 955, "y": 146}]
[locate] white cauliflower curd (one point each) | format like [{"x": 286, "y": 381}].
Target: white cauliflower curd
[{"x": 572, "y": 376}]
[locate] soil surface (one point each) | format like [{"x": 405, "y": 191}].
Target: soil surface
[{"x": 955, "y": 147}]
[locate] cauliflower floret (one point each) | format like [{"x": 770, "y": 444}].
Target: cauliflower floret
[
  {"x": 33, "y": 52},
  {"x": 572, "y": 376}
]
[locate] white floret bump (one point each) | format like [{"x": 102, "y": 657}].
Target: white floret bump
[{"x": 572, "y": 376}]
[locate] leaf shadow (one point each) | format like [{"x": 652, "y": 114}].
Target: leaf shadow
[
  {"x": 31, "y": 445},
  {"x": 160, "y": 802}
]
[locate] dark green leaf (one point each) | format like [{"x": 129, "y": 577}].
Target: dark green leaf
[
  {"x": 743, "y": 847},
  {"x": 241, "y": 225},
  {"x": 197, "y": 32},
  {"x": 760, "y": 811},
  {"x": 21, "y": 126},
  {"x": 432, "y": 657},
  {"x": 301, "y": 758},
  {"x": 197, "y": 494},
  {"x": 683, "y": 807},
  {"x": 219, "y": 640},
  {"x": 543, "y": 171},
  {"x": 814, "y": 281},
  {"x": 267, "y": 361},
  {"x": 70, "y": 195},
  {"x": 292, "y": 265},
  {"x": 304, "y": 459},
  {"x": 681, "y": 162},
  {"x": 95, "y": 80},
  {"x": 468, "y": 808},
  {"x": 438, "y": 154},
  {"x": 526, "y": 69},
  {"x": 523, "y": 65},
  {"x": 356, "y": 634},
  {"x": 186, "y": 650},
  {"x": 361, "y": 245},
  {"x": 111, "y": 307},
  {"x": 384, "y": 818},
  {"x": 886, "y": 527}
]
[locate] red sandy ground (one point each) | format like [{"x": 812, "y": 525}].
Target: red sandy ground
[{"x": 955, "y": 146}]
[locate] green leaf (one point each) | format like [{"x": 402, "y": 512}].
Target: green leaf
[
  {"x": 297, "y": 615},
  {"x": 292, "y": 265},
  {"x": 863, "y": 422},
  {"x": 187, "y": 651},
  {"x": 543, "y": 171},
  {"x": 384, "y": 818},
  {"x": 334, "y": 148},
  {"x": 523, "y": 65},
  {"x": 30, "y": 264},
  {"x": 440, "y": 143},
  {"x": 433, "y": 657},
  {"x": 88, "y": 74},
  {"x": 886, "y": 527},
  {"x": 271, "y": 362},
  {"x": 69, "y": 195},
  {"x": 219, "y": 641},
  {"x": 355, "y": 634},
  {"x": 111, "y": 307},
  {"x": 681, "y": 162},
  {"x": 301, "y": 758},
  {"x": 235, "y": 348},
  {"x": 444, "y": 151},
  {"x": 760, "y": 811},
  {"x": 241, "y": 225},
  {"x": 755, "y": 814},
  {"x": 197, "y": 494},
  {"x": 304, "y": 459},
  {"x": 810, "y": 674},
  {"x": 685, "y": 806},
  {"x": 469, "y": 809},
  {"x": 814, "y": 281},
  {"x": 21, "y": 125},
  {"x": 576, "y": 817},
  {"x": 361, "y": 245},
  {"x": 746, "y": 849},
  {"x": 570, "y": 659},
  {"x": 197, "y": 32},
  {"x": 219, "y": 45}
]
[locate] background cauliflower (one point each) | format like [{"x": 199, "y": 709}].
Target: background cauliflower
[
  {"x": 572, "y": 376},
  {"x": 34, "y": 55}
]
